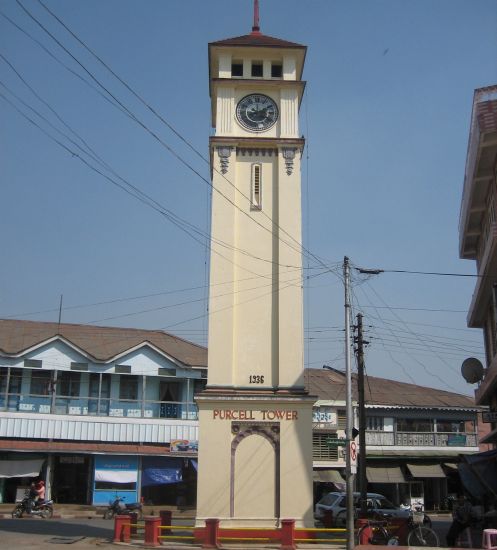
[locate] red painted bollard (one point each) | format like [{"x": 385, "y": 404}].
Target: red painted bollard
[
  {"x": 122, "y": 529},
  {"x": 152, "y": 530},
  {"x": 166, "y": 517},
  {"x": 211, "y": 539},
  {"x": 288, "y": 534}
]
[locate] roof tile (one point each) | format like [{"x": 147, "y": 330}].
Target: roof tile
[
  {"x": 101, "y": 343},
  {"x": 330, "y": 385}
]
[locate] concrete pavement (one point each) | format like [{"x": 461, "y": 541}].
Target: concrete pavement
[{"x": 74, "y": 530}]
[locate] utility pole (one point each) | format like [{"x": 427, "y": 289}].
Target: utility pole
[
  {"x": 362, "y": 416},
  {"x": 349, "y": 412}
]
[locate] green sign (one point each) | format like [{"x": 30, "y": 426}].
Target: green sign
[
  {"x": 456, "y": 440},
  {"x": 331, "y": 442}
]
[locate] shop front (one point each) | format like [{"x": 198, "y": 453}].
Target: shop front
[
  {"x": 71, "y": 479},
  {"x": 16, "y": 474},
  {"x": 115, "y": 476}
]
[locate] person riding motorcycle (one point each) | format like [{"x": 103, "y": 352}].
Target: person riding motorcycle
[{"x": 36, "y": 493}]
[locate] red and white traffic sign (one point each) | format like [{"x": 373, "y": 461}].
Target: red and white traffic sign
[{"x": 353, "y": 457}]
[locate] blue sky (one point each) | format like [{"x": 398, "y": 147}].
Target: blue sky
[{"x": 386, "y": 116}]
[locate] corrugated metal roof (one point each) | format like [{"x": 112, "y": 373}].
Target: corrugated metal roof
[
  {"x": 100, "y": 343},
  {"x": 53, "y": 427},
  {"x": 330, "y": 385}
]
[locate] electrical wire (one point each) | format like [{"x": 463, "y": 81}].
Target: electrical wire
[
  {"x": 421, "y": 364},
  {"x": 132, "y": 190},
  {"x": 165, "y": 145},
  {"x": 302, "y": 249}
]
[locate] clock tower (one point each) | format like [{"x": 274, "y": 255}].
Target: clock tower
[{"x": 255, "y": 416}]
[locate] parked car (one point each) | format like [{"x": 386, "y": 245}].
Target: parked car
[{"x": 335, "y": 502}]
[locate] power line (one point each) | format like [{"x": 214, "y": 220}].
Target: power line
[
  {"x": 158, "y": 308},
  {"x": 55, "y": 58},
  {"x": 300, "y": 249},
  {"x": 427, "y": 345},
  {"x": 230, "y": 307},
  {"x": 127, "y": 299},
  {"x": 417, "y": 309},
  {"x": 366, "y": 271},
  {"x": 135, "y": 192}
]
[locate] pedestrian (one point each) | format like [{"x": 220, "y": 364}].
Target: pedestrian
[{"x": 461, "y": 519}]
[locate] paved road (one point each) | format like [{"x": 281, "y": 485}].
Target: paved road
[
  {"x": 39, "y": 534},
  {"x": 36, "y": 533}
]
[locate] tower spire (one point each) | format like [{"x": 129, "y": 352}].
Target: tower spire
[{"x": 255, "y": 27}]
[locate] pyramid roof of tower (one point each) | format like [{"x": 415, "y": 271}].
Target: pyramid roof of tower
[{"x": 257, "y": 39}]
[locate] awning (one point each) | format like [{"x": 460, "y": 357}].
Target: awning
[
  {"x": 116, "y": 476},
  {"x": 20, "y": 468},
  {"x": 392, "y": 474},
  {"x": 451, "y": 465},
  {"x": 327, "y": 476},
  {"x": 426, "y": 470}
]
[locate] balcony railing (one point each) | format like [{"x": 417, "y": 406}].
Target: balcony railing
[
  {"x": 93, "y": 406},
  {"x": 422, "y": 439}
]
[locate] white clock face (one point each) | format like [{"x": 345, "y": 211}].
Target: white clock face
[{"x": 257, "y": 112}]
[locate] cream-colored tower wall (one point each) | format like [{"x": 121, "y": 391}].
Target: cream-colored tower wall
[
  {"x": 225, "y": 109},
  {"x": 255, "y": 334},
  {"x": 222, "y": 274},
  {"x": 289, "y": 68},
  {"x": 298, "y": 459},
  {"x": 257, "y": 330},
  {"x": 291, "y": 346},
  {"x": 255, "y": 438},
  {"x": 289, "y": 114},
  {"x": 230, "y": 475},
  {"x": 225, "y": 65}
]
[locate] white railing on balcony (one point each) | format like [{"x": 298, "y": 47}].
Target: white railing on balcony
[
  {"x": 94, "y": 406},
  {"x": 421, "y": 439}
]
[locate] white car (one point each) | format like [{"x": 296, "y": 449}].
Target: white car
[{"x": 335, "y": 502}]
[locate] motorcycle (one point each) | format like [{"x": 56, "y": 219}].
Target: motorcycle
[
  {"x": 42, "y": 508},
  {"x": 118, "y": 507}
]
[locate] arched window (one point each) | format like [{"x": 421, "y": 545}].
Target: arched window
[{"x": 256, "y": 186}]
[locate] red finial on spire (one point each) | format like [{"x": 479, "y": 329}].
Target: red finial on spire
[{"x": 255, "y": 28}]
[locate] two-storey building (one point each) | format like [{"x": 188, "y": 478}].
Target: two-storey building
[
  {"x": 98, "y": 410},
  {"x": 414, "y": 435},
  {"x": 478, "y": 237}
]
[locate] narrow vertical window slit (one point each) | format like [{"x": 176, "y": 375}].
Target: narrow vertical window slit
[{"x": 256, "y": 186}]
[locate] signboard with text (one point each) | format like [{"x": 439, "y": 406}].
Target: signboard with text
[{"x": 489, "y": 416}]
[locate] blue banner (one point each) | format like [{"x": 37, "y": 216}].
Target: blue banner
[{"x": 161, "y": 470}]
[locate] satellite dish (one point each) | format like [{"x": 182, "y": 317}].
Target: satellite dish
[{"x": 472, "y": 370}]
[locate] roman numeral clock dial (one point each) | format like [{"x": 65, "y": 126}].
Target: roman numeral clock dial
[{"x": 257, "y": 112}]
